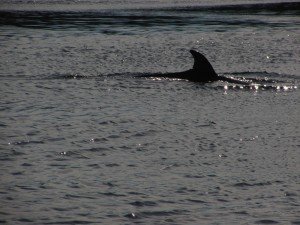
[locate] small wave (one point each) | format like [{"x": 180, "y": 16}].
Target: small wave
[
  {"x": 263, "y": 81},
  {"x": 197, "y": 201},
  {"x": 245, "y": 184},
  {"x": 58, "y": 76},
  {"x": 155, "y": 213},
  {"x": 25, "y": 142},
  {"x": 268, "y": 76},
  {"x": 266, "y": 222},
  {"x": 112, "y": 194}
]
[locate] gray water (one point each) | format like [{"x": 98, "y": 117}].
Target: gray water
[{"x": 85, "y": 141}]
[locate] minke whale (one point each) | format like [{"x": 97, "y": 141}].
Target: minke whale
[{"x": 202, "y": 71}]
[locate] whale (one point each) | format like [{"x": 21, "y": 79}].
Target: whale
[{"x": 202, "y": 71}]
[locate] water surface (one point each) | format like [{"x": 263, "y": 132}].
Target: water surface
[{"x": 84, "y": 141}]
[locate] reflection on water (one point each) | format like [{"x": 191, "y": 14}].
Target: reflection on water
[{"x": 199, "y": 18}]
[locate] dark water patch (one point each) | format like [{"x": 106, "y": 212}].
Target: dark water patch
[
  {"x": 147, "y": 214},
  {"x": 112, "y": 23},
  {"x": 185, "y": 190},
  {"x": 167, "y": 201},
  {"x": 71, "y": 153},
  {"x": 106, "y": 123},
  {"x": 124, "y": 147},
  {"x": 112, "y": 165},
  {"x": 136, "y": 193},
  {"x": 255, "y": 8},
  {"x": 74, "y": 185},
  {"x": 296, "y": 222},
  {"x": 65, "y": 209},
  {"x": 56, "y": 139},
  {"x": 72, "y": 222},
  {"x": 99, "y": 139},
  {"x": 143, "y": 203},
  {"x": 58, "y": 76},
  {"x": 97, "y": 149},
  {"x": 28, "y": 188},
  {"x": 222, "y": 200},
  {"x": 197, "y": 201},
  {"x": 290, "y": 194},
  {"x": 94, "y": 166},
  {"x": 162, "y": 213},
  {"x": 109, "y": 184},
  {"x": 113, "y": 136},
  {"x": 144, "y": 133},
  {"x": 60, "y": 166},
  {"x": 17, "y": 173},
  {"x": 25, "y": 220},
  {"x": 97, "y": 21},
  {"x": 131, "y": 215},
  {"x": 6, "y": 158},
  {"x": 10, "y": 198},
  {"x": 3, "y": 221},
  {"x": 194, "y": 176},
  {"x": 132, "y": 165},
  {"x": 241, "y": 212},
  {"x": 25, "y": 142},
  {"x": 4, "y": 213},
  {"x": 266, "y": 222},
  {"x": 245, "y": 184},
  {"x": 112, "y": 194},
  {"x": 72, "y": 196},
  {"x": 3, "y": 124}
]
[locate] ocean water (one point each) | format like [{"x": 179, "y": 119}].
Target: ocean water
[{"x": 83, "y": 140}]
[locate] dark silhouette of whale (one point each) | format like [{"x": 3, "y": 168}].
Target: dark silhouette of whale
[{"x": 202, "y": 71}]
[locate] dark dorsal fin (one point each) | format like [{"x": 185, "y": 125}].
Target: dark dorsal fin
[{"x": 201, "y": 64}]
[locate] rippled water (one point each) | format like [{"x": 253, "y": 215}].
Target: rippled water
[{"x": 83, "y": 140}]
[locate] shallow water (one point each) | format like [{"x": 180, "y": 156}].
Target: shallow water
[{"x": 83, "y": 140}]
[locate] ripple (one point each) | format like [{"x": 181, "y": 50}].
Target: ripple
[
  {"x": 25, "y": 187},
  {"x": 267, "y": 222},
  {"x": 25, "y": 142},
  {"x": 71, "y": 222},
  {"x": 241, "y": 212},
  {"x": 112, "y": 194},
  {"x": 25, "y": 220},
  {"x": 67, "y": 76},
  {"x": 163, "y": 213},
  {"x": 64, "y": 209},
  {"x": 245, "y": 184},
  {"x": 72, "y": 196},
  {"x": 197, "y": 201},
  {"x": 112, "y": 165},
  {"x": 146, "y": 214},
  {"x": 26, "y": 164},
  {"x": 97, "y": 149}
]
